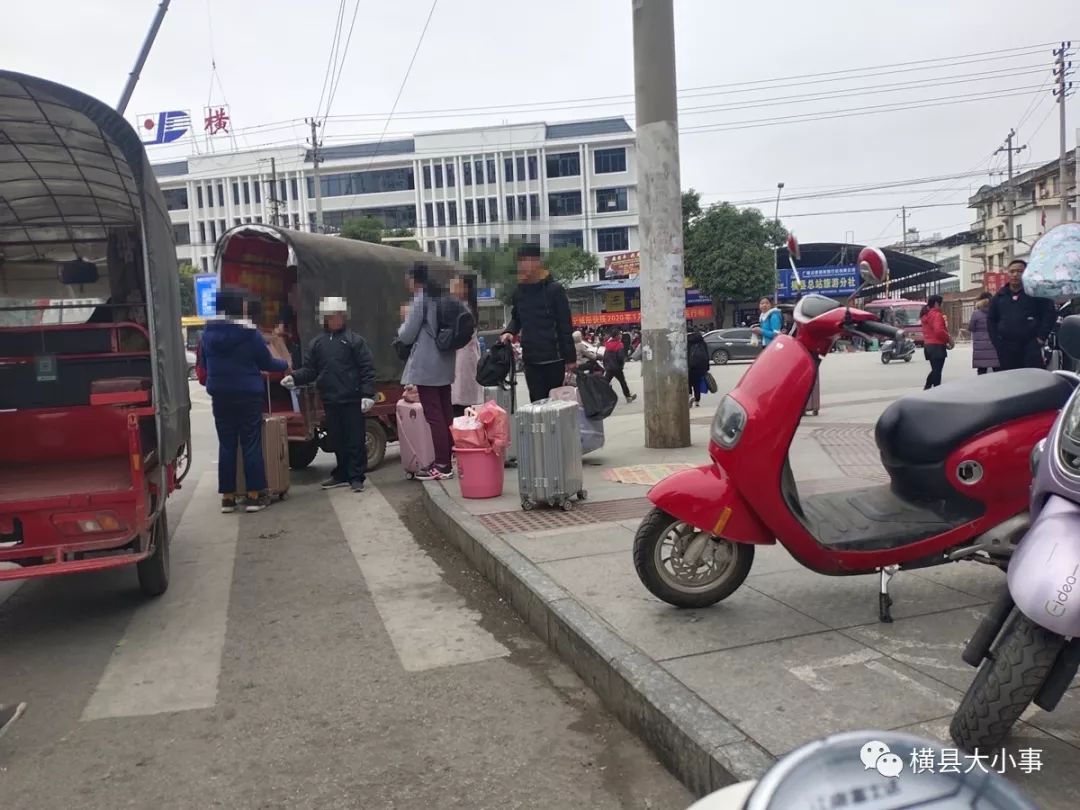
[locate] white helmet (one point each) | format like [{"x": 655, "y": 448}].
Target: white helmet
[{"x": 333, "y": 305}]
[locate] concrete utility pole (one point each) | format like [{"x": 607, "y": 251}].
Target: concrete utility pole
[
  {"x": 275, "y": 203},
  {"x": 776, "y": 248},
  {"x": 1010, "y": 196},
  {"x": 316, "y": 159},
  {"x": 1061, "y": 73},
  {"x": 140, "y": 60},
  {"x": 903, "y": 225},
  {"x": 663, "y": 289}
]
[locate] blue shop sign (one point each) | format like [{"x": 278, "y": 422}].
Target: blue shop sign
[
  {"x": 839, "y": 280},
  {"x": 206, "y": 288}
]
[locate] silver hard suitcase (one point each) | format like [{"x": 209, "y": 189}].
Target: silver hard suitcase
[
  {"x": 505, "y": 397},
  {"x": 549, "y": 454}
]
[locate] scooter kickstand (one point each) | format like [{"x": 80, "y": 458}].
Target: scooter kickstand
[{"x": 884, "y": 600}]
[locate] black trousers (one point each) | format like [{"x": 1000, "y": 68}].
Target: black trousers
[
  {"x": 936, "y": 354},
  {"x": 347, "y": 429},
  {"x": 239, "y": 424},
  {"x": 1019, "y": 354},
  {"x": 542, "y": 378},
  {"x": 984, "y": 370},
  {"x": 619, "y": 375}
]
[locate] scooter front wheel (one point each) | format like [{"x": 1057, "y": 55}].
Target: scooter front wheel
[{"x": 685, "y": 567}]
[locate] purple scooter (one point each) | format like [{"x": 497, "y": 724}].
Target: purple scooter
[{"x": 1027, "y": 647}]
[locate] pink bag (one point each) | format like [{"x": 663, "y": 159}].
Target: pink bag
[
  {"x": 414, "y": 435},
  {"x": 496, "y": 423},
  {"x": 468, "y": 432}
]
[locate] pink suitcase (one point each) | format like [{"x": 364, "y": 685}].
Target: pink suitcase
[{"x": 414, "y": 438}]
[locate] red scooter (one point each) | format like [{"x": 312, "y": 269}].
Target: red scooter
[{"x": 957, "y": 456}]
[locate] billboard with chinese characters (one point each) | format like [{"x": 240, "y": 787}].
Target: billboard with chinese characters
[
  {"x": 633, "y": 316},
  {"x": 992, "y": 282},
  {"x": 165, "y": 127},
  {"x": 622, "y": 265},
  {"x": 216, "y": 120},
  {"x": 839, "y": 280}
]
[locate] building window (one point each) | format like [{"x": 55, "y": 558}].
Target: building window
[
  {"x": 564, "y": 164},
  {"x": 247, "y": 193},
  {"x": 221, "y": 226},
  {"x": 198, "y": 196},
  {"x": 294, "y": 187},
  {"x": 521, "y": 168},
  {"x": 258, "y": 191},
  {"x": 466, "y": 172},
  {"x": 564, "y": 204},
  {"x": 259, "y": 219},
  {"x": 182, "y": 234},
  {"x": 296, "y": 219},
  {"x": 560, "y": 239},
  {"x": 522, "y": 202},
  {"x": 481, "y": 212},
  {"x": 427, "y": 177},
  {"x": 455, "y": 250},
  {"x": 442, "y": 247},
  {"x": 441, "y": 210},
  {"x": 431, "y": 248},
  {"x": 478, "y": 165},
  {"x": 491, "y": 178},
  {"x": 283, "y": 188},
  {"x": 367, "y": 182},
  {"x": 508, "y": 170},
  {"x": 449, "y": 175},
  {"x": 429, "y": 215},
  {"x": 607, "y": 161},
  {"x": 611, "y": 199},
  {"x": 469, "y": 218},
  {"x": 438, "y": 175},
  {"x": 532, "y": 167},
  {"x": 1019, "y": 232},
  {"x": 175, "y": 199},
  {"x": 609, "y": 240},
  {"x": 451, "y": 212},
  {"x": 493, "y": 209},
  {"x": 247, "y": 221},
  {"x": 236, "y": 221},
  {"x": 202, "y": 233},
  {"x": 534, "y": 206},
  {"x": 213, "y": 231},
  {"x": 391, "y": 216},
  {"x": 235, "y": 193},
  {"x": 221, "y": 195},
  {"x": 510, "y": 213},
  {"x": 205, "y": 265},
  {"x": 494, "y": 243},
  {"x": 470, "y": 244}
]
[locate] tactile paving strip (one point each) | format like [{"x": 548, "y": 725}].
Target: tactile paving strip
[{"x": 543, "y": 518}]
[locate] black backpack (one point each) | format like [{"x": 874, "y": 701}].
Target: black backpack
[
  {"x": 456, "y": 325},
  {"x": 495, "y": 366}
]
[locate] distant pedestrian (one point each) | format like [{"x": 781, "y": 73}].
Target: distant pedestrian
[
  {"x": 615, "y": 363},
  {"x": 697, "y": 364},
  {"x": 430, "y": 369},
  {"x": 984, "y": 356},
  {"x": 936, "y": 340},
  {"x": 772, "y": 321},
  {"x": 339, "y": 362},
  {"x": 466, "y": 391},
  {"x": 540, "y": 314},
  {"x": 235, "y": 356},
  {"x": 1019, "y": 325}
]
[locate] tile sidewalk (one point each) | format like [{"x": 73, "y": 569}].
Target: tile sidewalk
[{"x": 792, "y": 655}]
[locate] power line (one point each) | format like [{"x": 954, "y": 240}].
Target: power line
[
  {"x": 330, "y": 61},
  {"x": 341, "y": 65}
]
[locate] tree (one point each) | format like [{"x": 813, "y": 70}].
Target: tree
[
  {"x": 364, "y": 229},
  {"x": 729, "y": 252},
  {"x": 187, "y": 289},
  {"x": 498, "y": 266},
  {"x": 571, "y": 263},
  {"x": 398, "y": 235},
  {"x": 691, "y": 209}
]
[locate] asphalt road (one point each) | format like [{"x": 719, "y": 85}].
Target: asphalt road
[{"x": 331, "y": 652}]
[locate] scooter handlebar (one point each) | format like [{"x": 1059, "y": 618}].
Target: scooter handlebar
[{"x": 877, "y": 328}]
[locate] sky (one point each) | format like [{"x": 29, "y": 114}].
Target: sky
[{"x": 740, "y": 67}]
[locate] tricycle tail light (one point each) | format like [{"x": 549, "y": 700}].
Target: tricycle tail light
[{"x": 728, "y": 423}]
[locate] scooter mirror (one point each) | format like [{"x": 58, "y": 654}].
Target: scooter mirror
[
  {"x": 873, "y": 266},
  {"x": 1068, "y": 337}
]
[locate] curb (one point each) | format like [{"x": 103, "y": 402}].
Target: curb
[{"x": 694, "y": 741}]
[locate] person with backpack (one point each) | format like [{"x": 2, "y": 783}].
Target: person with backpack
[
  {"x": 340, "y": 364},
  {"x": 615, "y": 362},
  {"x": 466, "y": 391},
  {"x": 431, "y": 331},
  {"x": 540, "y": 313},
  {"x": 697, "y": 364}
]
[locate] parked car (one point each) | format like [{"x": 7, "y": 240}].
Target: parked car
[{"x": 730, "y": 344}]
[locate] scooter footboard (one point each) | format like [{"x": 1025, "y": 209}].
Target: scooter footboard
[
  {"x": 1044, "y": 572},
  {"x": 706, "y": 498}
]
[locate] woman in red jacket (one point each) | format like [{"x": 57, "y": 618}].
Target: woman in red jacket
[{"x": 936, "y": 340}]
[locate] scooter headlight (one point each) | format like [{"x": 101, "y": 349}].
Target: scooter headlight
[
  {"x": 1069, "y": 438},
  {"x": 1036, "y": 456},
  {"x": 729, "y": 423}
]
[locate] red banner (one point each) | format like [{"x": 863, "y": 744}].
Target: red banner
[
  {"x": 992, "y": 282},
  {"x": 698, "y": 313}
]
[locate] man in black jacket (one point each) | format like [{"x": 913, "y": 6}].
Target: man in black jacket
[
  {"x": 1019, "y": 324},
  {"x": 340, "y": 364},
  {"x": 540, "y": 313}
]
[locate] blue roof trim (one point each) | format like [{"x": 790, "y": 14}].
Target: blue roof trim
[
  {"x": 363, "y": 150},
  {"x": 583, "y": 129},
  {"x": 174, "y": 169}
]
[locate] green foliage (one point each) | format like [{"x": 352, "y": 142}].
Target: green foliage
[
  {"x": 397, "y": 233},
  {"x": 498, "y": 266},
  {"x": 187, "y": 289},
  {"x": 729, "y": 252},
  {"x": 571, "y": 263},
  {"x": 364, "y": 229}
]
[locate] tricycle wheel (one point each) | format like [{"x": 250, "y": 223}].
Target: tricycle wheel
[
  {"x": 153, "y": 572},
  {"x": 376, "y": 443},
  {"x": 687, "y": 568},
  {"x": 301, "y": 454}
]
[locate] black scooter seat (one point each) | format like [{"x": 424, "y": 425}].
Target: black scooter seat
[{"x": 923, "y": 428}]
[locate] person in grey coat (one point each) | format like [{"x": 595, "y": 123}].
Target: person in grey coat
[
  {"x": 984, "y": 356},
  {"x": 429, "y": 369}
]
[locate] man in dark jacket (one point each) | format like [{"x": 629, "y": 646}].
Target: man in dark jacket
[
  {"x": 340, "y": 364},
  {"x": 235, "y": 356},
  {"x": 1019, "y": 324},
  {"x": 540, "y": 313}
]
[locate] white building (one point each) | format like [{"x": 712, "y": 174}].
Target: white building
[
  {"x": 458, "y": 190},
  {"x": 954, "y": 254}
]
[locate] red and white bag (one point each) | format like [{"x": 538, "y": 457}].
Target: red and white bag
[
  {"x": 496, "y": 423},
  {"x": 468, "y": 432}
]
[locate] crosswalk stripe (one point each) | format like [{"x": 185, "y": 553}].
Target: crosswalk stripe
[
  {"x": 427, "y": 620},
  {"x": 170, "y": 656}
]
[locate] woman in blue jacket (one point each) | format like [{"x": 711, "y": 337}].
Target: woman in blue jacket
[
  {"x": 771, "y": 323},
  {"x": 235, "y": 356}
]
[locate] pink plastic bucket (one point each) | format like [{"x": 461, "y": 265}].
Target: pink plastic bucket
[{"x": 480, "y": 471}]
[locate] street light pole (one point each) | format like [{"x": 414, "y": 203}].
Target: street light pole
[
  {"x": 776, "y": 248},
  {"x": 663, "y": 288}
]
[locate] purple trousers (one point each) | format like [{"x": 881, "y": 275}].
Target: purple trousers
[{"x": 439, "y": 414}]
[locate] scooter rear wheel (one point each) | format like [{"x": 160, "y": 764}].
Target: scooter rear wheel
[{"x": 687, "y": 568}]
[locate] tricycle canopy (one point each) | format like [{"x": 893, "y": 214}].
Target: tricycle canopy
[
  {"x": 82, "y": 219},
  {"x": 291, "y": 268}
]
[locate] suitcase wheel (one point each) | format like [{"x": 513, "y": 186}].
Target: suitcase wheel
[
  {"x": 583, "y": 495},
  {"x": 409, "y": 476},
  {"x": 528, "y": 504},
  {"x": 567, "y": 505}
]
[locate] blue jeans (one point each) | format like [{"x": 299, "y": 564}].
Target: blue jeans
[{"x": 239, "y": 424}]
